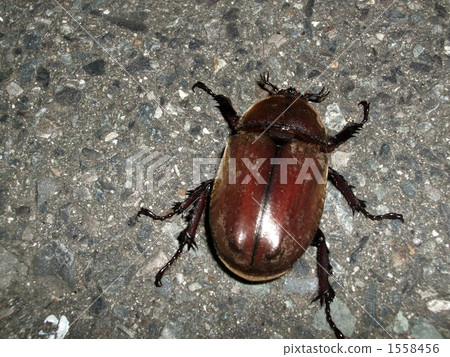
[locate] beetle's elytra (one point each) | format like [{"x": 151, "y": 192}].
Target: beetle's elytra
[{"x": 261, "y": 225}]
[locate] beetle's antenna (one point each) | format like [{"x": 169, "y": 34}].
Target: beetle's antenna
[{"x": 264, "y": 82}]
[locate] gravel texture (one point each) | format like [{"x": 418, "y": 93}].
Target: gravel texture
[{"x": 96, "y": 94}]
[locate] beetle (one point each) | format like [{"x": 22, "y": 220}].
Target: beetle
[{"x": 262, "y": 226}]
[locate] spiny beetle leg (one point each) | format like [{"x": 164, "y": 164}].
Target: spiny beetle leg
[
  {"x": 356, "y": 204},
  {"x": 184, "y": 238},
  {"x": 225, "y": 106},
  {"x": 349, "y": 130},
  {"x": 198, "y": 199},
  {"x": 326, "y": 292},
  {"x": 179, "y": 207}
]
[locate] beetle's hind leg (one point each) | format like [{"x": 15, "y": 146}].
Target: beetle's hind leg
[
  {"x": 324, "y": 269},
  {"x": 225, "y": 106},
  {"x": 197, "y": 198},
  {"x": 356, "y": 204}
]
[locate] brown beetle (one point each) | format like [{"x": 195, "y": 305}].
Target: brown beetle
[{"x": 261, "y": 226}]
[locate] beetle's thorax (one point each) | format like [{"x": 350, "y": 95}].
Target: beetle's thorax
[{"x": 284, "y": 116}]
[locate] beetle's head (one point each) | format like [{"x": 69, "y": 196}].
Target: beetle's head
[
  {"x": 266, "y": 85},
  {"x": 272, "y": 89}
]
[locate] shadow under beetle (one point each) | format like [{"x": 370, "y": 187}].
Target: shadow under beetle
[{"x": 261, "y": 226}]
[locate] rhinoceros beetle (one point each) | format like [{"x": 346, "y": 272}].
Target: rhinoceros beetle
[{"x": 261, "y": 227}]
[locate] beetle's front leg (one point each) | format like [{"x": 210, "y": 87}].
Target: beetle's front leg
[
  {"x": 326, "y": 292},
  {"x": 225, "y": 106},
  {"x": 197, "y": 198},
  {"x": 349, "y": 130},
  {"x": 356, "y": 204}
]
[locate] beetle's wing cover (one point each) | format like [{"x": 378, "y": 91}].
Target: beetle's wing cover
[
  {"x": 263, "y": 219},
  {"x": 234, "y": 208},
  {"x": 293, "y": 207}
]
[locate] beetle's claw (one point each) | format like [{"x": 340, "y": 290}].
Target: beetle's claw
[
  {"x": 186, "y": 238},
  {"x": 366, "y": 106},
  {"x": 264, "y": 77},
  {"x": 203, "y": 86},
  {"x": 364, "y": 103},
  {"x": 324, "y": 296},
  {"x": 362, "y": 203},
  {"x": 192, "y": 245}
]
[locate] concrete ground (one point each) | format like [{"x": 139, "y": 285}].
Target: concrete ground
[{"x": 97, "y": 118}]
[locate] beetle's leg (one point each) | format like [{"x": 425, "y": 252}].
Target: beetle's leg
[
  {"x": 187, "y": 236},
  {"x": 356, "y": 204},
  {"x": 197, "y": 198},
  {"x": 326, "y": 292},
  {"x": 178, "y": 208},
  {"x": 225, "y": 106},
  {"x": 349, "y": 130},
  {"x": 316, "y": 97}
]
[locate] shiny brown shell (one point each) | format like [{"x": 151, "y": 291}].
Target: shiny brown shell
[{"x": 261, "y": 229}]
